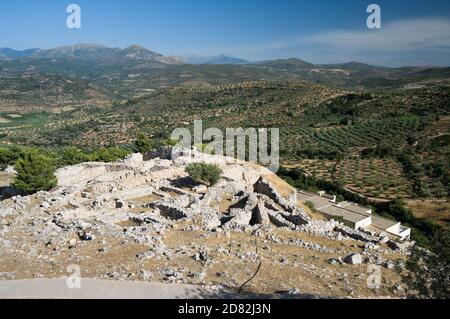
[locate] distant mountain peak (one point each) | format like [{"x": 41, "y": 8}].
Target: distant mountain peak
[
  {"x": 82, "y": 46},
  {"x": 75, "y": 47},
  {"x": 217, "y": 59},
  {"x": 135, "y": 47},
  {"x": 139, "y": 52}
]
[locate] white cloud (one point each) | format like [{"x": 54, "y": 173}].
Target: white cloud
[
  {"x": 423, "y": 41},
  {"x": 406, "y": 35}
]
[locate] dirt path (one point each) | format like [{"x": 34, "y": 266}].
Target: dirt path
[{"x": 104, "y": 289}]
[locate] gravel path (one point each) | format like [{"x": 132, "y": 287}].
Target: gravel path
[{"x": 104, "y": 289}]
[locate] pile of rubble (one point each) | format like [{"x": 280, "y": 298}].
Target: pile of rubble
[
  {"x": 138, "y": 201},
  {"x": 103, "y": 194}
]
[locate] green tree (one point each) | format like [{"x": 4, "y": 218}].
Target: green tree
[
  {"x": 169, "y": 142},
  {"x": 204, "y": 173},
  {"x": 35, "y": 172},
  {"x": 429, "y": 271},
  {"x": 8, "y": 155},
  {"x": 5, "y": 158},
  {"x": 143, "y": 144},
  {"x": 72, "y": 156}
]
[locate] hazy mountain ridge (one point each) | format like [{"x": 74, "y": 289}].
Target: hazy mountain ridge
[
  {"x": 7, "y": 53},
  {"x": 134, "y": 70},
  {"x": 355, "y": 74},
  {"x": 218, "y": 59}
]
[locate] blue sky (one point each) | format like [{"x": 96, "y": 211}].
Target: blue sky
[{"x": 414, "y": 32}]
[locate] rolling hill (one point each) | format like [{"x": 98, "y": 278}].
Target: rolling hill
[
  {"x": 135, "y": 70},
  {"x": 379, "y": 131}
]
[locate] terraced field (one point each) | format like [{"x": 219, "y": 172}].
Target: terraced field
[
  {"x": 377, "y": 178},
  {"x": 354, "y": 138},
  {"x": 48, "y": 93}
]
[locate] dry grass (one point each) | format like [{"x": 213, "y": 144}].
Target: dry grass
[
  {"x": 304, "y": 269},
  {"x": 224, "y": 204},
  {"x": 436, "y": 211},
  {"x": 5, "y": 179},
  {"x": 280, "y": 185},
  {"x": 144, "y": 200}
]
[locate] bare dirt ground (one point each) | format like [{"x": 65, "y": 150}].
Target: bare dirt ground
[
  {"x": 5, "y": 179},
  {"x": 285, "y": 266}
]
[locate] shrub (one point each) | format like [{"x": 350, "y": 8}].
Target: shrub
[
  {"x": 421, "y": 230},
  {"x": 206, "y": 148},
  {"x": 110, "y": 154},
  {"x": 35, "y": 172},
  {"x": 9, "y": 155},
  {"x": 5, "y": 157},
  {"x": 72, "y": 156},
  {"x": 169, "y": 142},
  {"x": 204, "y": 173},
  {"x": 143, "y": 144},
  {"x": 310, "y": 205}
]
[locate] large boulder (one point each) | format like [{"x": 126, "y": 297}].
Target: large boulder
[
  {"x": 354, "y": 259},
  {"x": 262, "y": 186},
  {"x": 10, "y": 170},
  {"x": 240, "y": 217},
  {"x": 161, "y": 153},
  {"x": 172, "y": 212},
  {"x": 297, "y": 219},
  {"x": 277, "y": 219}
]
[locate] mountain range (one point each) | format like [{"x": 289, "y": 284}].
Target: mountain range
[
  {"x": 136, "y": 69},
  {"x": 218, "y": 59},
  {"x": 87, "y": 51},
  {"x": 133, "y": 52},
  {"x": 91, "y": 95},
  {"x": 91, "y": 51}
]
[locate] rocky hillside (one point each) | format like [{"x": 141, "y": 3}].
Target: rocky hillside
[{"x": 147, "y": 220}]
